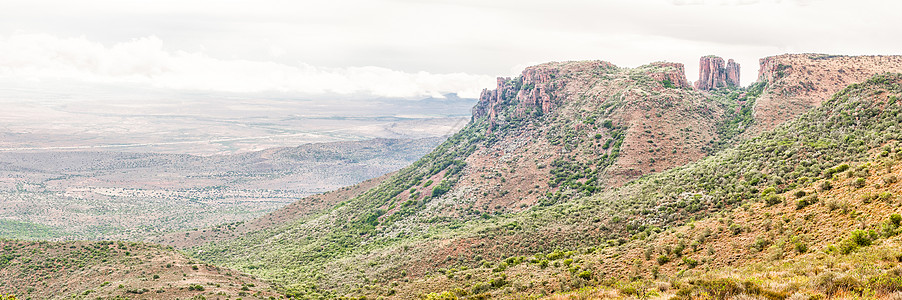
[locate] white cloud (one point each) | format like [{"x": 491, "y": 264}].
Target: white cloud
[
  {"x": 471, "y": 36},
  {"x": 36, "y": 57}
]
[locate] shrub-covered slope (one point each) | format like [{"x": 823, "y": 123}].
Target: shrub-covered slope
[{"x": 741, "y": 195}]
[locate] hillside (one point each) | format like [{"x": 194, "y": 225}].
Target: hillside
[
  {"x": 799, "y": 82},
  {"x": 116, "y": 270},
  {"x": 746, "y": 197},
  {"x": 119, "y": 195},
  {"x": 582, "y": 127}
]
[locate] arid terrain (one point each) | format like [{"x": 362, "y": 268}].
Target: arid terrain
[{"x": 115, "y": 195}]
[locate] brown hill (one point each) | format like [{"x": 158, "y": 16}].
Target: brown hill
[
  {"x": 585, "y": 125},
  {"x": 120, "y": 270},
  {"x": 799, "y": 82}
]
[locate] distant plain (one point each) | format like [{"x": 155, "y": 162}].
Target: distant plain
[{"x": 91, "y": 164}]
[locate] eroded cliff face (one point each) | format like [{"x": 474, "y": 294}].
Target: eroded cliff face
[
  {"x": 799, "y": 82},
  {"x": 533, "y": 89},
  {"x": 674, "y": 73},
  {"x": 713, "y": 73},
  {"x": 577, "y": 127},
  {"x": 732, "y": 73}
]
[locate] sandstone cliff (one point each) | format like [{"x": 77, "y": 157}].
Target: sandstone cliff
[
  {"x": 732, "y": 73},
  {"x": 584, "y": 126},
  {"x": 714, "y": 74}
]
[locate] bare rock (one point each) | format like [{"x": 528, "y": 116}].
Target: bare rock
[{"x": 713, "y": 73}]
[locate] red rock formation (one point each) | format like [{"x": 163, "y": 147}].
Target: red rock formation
[
  {"x": 732, "y": 73},
  {"x": 673, "y": 72},
  {"x": 532, "y": 89},
  {"x": 714, "y": 74}
]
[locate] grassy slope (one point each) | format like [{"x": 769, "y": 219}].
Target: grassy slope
[
  {"x": 843, "y": 129},
  {"x": 105, "y": 270},
  {"x": 841, "y": 242}
]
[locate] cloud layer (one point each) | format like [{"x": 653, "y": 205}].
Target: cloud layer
[
  {"x": 318, "y": 46},
  {"x": 146, "y": 61}
]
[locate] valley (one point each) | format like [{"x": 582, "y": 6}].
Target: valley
[{"x": 134, "y": 196}]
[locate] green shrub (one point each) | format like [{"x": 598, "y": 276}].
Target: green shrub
[
  {"x": 804, "y": 202},
  {"x": 759, "y": 244},
  {"x": 856, "y": 239},
  {"x": 678, "y": 250},
  {"x": 663, "y": 259},
  {"x": 891, "y": 226},
  {"x": 691, "y": 263},
  {"x": 801, "y": 247},
  {"x": 858, "y": 183},
  {"x": 196, "y": 287},
  {"x": 825, "y": 185}
]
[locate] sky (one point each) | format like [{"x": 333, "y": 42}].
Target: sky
[{"x": 405, "y": 49}]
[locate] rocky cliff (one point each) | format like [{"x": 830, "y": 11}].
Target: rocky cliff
[
  {"x": 713, "y": 73},
  {"x": 732, "y": 73},
  {"x": 612, "y": 124},
  {"x": 674, "y": 73}
]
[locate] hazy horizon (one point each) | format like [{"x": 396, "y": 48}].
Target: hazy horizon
[{"x": 67, "y": 69}]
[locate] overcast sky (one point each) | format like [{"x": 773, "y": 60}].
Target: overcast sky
[{"x": 410, "y": 49}]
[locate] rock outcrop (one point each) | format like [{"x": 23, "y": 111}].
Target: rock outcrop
[
  {"x": 713, "y": 73},
  {"x": 532, "y": 89},
  {"x": 732, "y": 73},
  {"x": 671, "y": 72}
]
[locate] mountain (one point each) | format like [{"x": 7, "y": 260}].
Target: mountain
[
  {"x": 836, "y": 155},
  {"x": 559, "y": 131}
]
